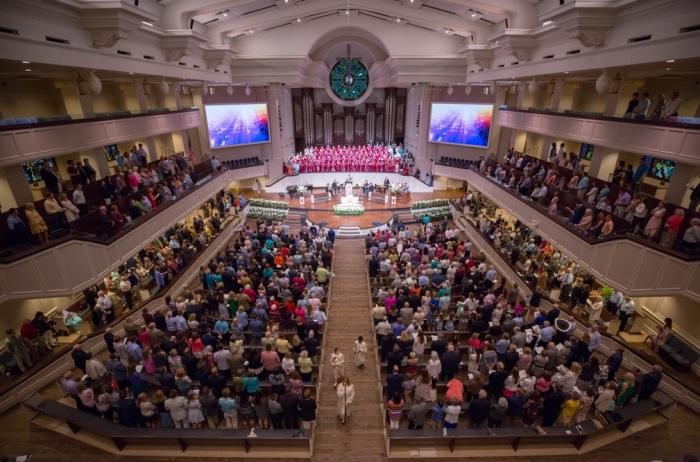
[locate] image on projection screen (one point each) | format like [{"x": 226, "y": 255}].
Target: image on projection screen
[
  {"x": 465, "y": 124},
  {"x": 237, "y": 124}
]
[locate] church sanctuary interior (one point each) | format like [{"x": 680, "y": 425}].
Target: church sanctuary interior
[{"x": 350, "y": 230}]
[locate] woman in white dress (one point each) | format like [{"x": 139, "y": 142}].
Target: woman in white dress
[
  {"x": 70, "y": 210},
  {"x": 346, "y": 394},
  {"x": 434, "y": 365},
  {"x": 360, "y": 349},
  {"x": 337, "y": 361}
]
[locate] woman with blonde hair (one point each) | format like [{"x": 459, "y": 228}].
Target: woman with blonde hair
[
  {"x": 346, "y": 394},
  {"x": 148, "y": 410},
  {"x": 70, "y": 211},
  {"x": 37, "y": 225}
]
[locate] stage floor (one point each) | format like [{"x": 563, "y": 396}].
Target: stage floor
[
  {"x": 376, "y": 213},
  {"x": 328, "y": 205}
]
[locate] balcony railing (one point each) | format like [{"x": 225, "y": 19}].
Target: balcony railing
[
  {"x": 624, "y": 261},
  {"x": 70, "y": 266},
  {"x": 36, "y": 140},
  {"x": 672, "y": 140}
]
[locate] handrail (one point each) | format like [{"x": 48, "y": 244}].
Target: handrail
[
  {"x": 69, "y": 120},
  {"x": 562, "y": 222},
  {"x": 94, "y": 339},
  {"x": 206, "y": 174},
  {"x": 584, "y": 115},
  {"x": 123, "y": 436},
  {"x": 581, "y": 320}
]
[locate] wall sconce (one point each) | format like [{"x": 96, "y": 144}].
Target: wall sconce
[
  {"x": 532, "y": 86},
  {"x": 247, "y": 90},
  {"x": 602, "y": 83},
  {"x": 164, "y": 87},
  {"x": 468, "y": 89}
]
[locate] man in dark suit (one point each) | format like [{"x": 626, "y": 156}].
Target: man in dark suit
[
  {"x": 450, "y": 363},
  {"x": 50, "y": 179},
  {"x": 439, "y": 346},
  {"x": 394, "y": 382},
  {"x": 217, "y": 382},
  {"x": 290, "y": 409},
  {"x": 394, "y": 358},
  {"x": 479, "y": 410},
  {"x": 497, "y": 380},
  {"x": 650, "y": 382},
  {"x": 107, "y": 223}
]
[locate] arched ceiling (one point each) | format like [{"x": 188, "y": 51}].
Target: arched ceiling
[{"x": 235, "y": 18}]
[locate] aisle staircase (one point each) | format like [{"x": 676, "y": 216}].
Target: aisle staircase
[{"x": 361, "y": 438}]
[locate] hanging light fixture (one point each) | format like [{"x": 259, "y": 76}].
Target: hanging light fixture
[
  {"x": 229, "y": 90},
  {"x": 532, "y": 86},
  {"x": 164, "y": 87},
  {"x": 94, "y": 84},
  {"x": 602, "y": 84},
  {"x": 247, "y": 90},
  {"x": 493, "y": 88},
  {"x": 204, "y": 87},
  {"x": 468, "y": 89},
  {"x": 449, "y": 90}
]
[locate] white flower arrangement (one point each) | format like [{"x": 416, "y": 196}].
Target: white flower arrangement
[
  {"x": 266, "y": 213},
  {"x": 395, "y": 188},
  {"x": 268, "y": 204},
  {"x": 301, "y": 189},
  {"x": 418, "y": 205},
  {"x": 432, "y": 212},
  {"x": 348, "y": 210}
]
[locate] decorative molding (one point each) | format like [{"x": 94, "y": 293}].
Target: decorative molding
[
  {"x": 518, "y": 43},
  {"x": 590, "y": 38},
  {"x": 107, "y": 26},
  {"x": 587, "y": 25},
  {"x": 177, "y": 44},
  {"x": 218, "y": 55},
  {"x": 105, "y": 39},
  {"x": 479, "y": 55}
]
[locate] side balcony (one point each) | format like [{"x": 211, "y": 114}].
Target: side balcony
[
  {"x": 676, "y": 140},
  {"x": 70, "y": 266},
  {"x": 30, "y": 138},
  {"x": 637, "y": 268}
]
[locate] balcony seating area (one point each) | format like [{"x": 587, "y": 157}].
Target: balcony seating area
[
  {"x": 11, "y": 123},
  {"x": 87, "y": 226},
  {"x": 456, "y": 162},
  {"x": 622, "y": 227},
  {"x": 241, "y": 163},
  {"x": 678, "y": 353}
]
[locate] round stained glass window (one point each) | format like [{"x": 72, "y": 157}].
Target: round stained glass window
[{"x": 349, "y": 79}]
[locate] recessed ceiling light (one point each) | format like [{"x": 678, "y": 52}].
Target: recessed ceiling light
[
  {"x": 184, "y": 78},
  {"x": 347, "y": 11},
  {"x": 26, "y": 62},
  {"x": 27, "y": 70},
  {"x": 473, "y": 15},
  {"x": 671, "y": 61},
  {"x": 668, "y": 68},
  {"x": 298, "y": 19},
  {"x": 131, "y": 73},
  {"x": 146, "y": 23},
  {"x": 398, "y": 20},
  {"x": 225, "y": 14},
  {"x": 566, "y": 72}
]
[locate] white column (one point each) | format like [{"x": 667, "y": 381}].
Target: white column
[{"x": 18, "y": 185}]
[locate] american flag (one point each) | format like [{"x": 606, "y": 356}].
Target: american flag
[{"x": 191, "y": 151}]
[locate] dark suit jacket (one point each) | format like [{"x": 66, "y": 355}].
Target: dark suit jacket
[{"x": 393, "y": 384}]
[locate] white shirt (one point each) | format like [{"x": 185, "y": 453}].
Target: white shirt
[
  {"x": 78, "y": 196},
  {"x": 672, "y": 107}
]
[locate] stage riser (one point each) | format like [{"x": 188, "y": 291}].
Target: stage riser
[{"x": 319, "y": 180}]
